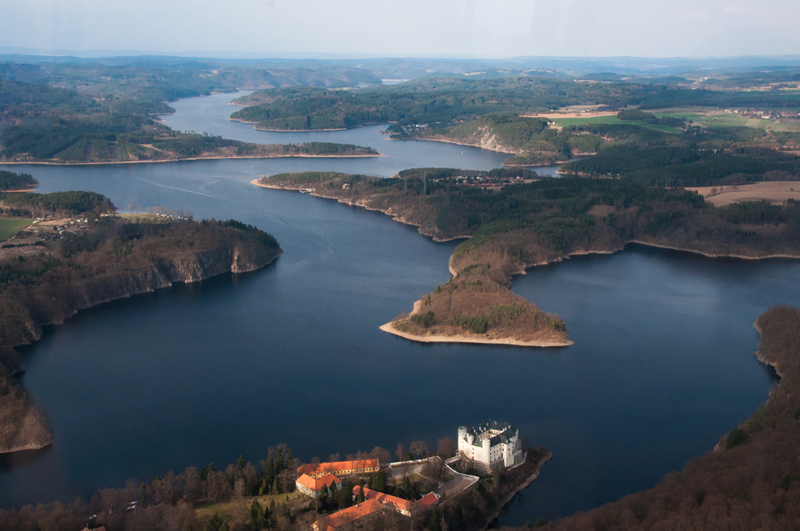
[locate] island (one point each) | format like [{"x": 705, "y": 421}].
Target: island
[
  {"x": 78, "y": 253},
  {"x": 513, "y": 220}
]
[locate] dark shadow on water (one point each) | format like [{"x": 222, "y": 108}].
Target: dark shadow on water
[{"x": 22, "y": 459}]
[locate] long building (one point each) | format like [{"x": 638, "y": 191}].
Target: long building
[
  {"x": 340, "y": 468},
  {"x": 495, "y": 444}
]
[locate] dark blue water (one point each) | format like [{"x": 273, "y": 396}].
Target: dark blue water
[{"x": 662, "y": 364}]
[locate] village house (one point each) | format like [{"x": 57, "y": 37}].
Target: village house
[
  {"x": 340, "y": 468},
  {"x": 313, "y": 486},
  {"x": 490, "y": 446}
]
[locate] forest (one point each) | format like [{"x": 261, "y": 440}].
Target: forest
[
  {"x": 437, "y": 102},
  {"x": 16, "y": 181},
  {"x": 42, "y": 123},
  {"x": 683, "y": 166},
  {"x": 126, "y": 138}
]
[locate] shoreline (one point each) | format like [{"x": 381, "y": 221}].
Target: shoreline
[
  {"x": 522, "y": 486},
  {"x": 708, "y": 255},
  {"x": 399, "y": 219},
  {"x": 389, "y": 328},
  {"x": 28, "y": 447},
  {"x": 537, "y": 165},
  {"x": 465, "y": 144},
  {"x": 31, "y": 189},
  {"x": 191, "y": 159},
  {"x": 255, "y": 126},
  {"x": 760, "y": 357}
]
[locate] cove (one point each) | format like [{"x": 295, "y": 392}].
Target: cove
[{"x": 662, "y": 364}]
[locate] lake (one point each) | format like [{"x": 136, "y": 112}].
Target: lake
[{"x": 662, "y": 364}]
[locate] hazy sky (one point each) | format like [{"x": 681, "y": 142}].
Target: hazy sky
[{"x": 479, "y": 28}]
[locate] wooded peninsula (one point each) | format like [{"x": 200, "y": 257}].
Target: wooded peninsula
[
  {"x": 49, "y": 125},
  {"x": 80, "y": 255},
  {"x": 511, "y": 227}
]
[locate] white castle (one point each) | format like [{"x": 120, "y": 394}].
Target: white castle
[{"x": 491, "y": 445}]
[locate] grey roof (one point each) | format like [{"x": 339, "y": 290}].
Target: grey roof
[{"x": 507, "y": 432}]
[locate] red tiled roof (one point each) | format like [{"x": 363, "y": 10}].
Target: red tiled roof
[
  {"x": 344, "y": 516},
  {"x": 428, "y": 500},
  {"x": 338, "y": 466},
  {"x": 316, "y": 484},
  {"x": 327, "y": 480},
  {"x": 396, "y": 503}
]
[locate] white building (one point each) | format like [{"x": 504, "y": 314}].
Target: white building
[{"x": 494, "y": 444}]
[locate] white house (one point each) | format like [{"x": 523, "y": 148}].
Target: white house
[{"x": 491, "y": 445}]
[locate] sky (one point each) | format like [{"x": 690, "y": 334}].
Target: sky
[{"x": 444, "y": 28}]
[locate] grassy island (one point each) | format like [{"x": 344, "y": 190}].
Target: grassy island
[
  {"x": 514, "y": 221},
  {"x": 79, "y": 254}
]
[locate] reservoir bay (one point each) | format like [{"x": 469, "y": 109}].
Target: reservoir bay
[{"x": 661, "y": 367}]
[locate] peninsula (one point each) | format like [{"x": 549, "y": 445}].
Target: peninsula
[
  {"x": 80, "y": 254},
  {"x": 511, "y": 227}
]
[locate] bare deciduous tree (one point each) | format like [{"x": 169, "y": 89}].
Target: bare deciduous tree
[{"x": 418, "y": 448}]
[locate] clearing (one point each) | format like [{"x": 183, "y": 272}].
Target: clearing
[
  {"x": 9, "y": 227},
  {"x": 776, "y": 192}
]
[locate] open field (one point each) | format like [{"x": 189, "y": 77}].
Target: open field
[
  {"x": 716, "y": 118},
  {"x": 228, "y": 509},
  {"x": 586, "y": 118},
  {"x": 9, "y": 227},
  {"x": 776, "y": 192},
  {"x": 587, "y": 114}
]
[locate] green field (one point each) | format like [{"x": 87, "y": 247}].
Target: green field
[
  {"x": 9, "y": 227},
  {"x": 612, "y": 120}
]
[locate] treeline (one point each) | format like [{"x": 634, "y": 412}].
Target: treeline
[
  {"x": 676, "y": 97},
  {"x": 263, "y": 237},
  {"x": 167, "y": 502},
  {"x": 635, "y": 115},
  {"x": 683, "y": 166},
  {"x": 16, "y": 181},
  {"x": 426, "y": 101},
  {"x": 752, "y": 478},
  {"x": 327, "y": 148},
  {"x": 514, "y": 133},
  {"x": 18, "y": 99},
  {"x": 125, "y": 137},
  {"x": 155, "y": 80},
  {"x": 63, "y": 203}
]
